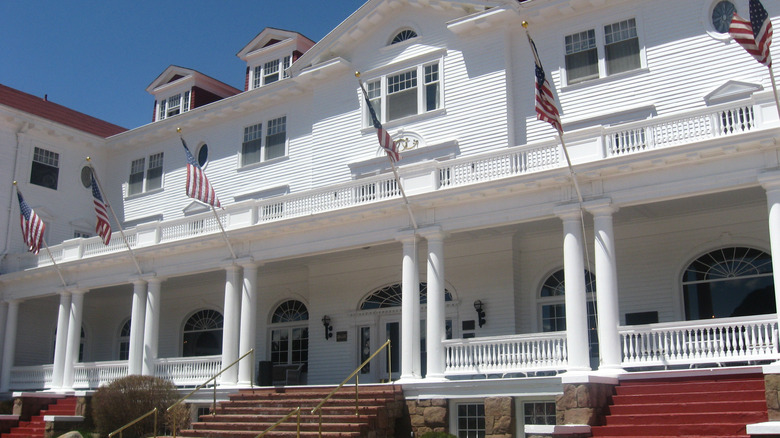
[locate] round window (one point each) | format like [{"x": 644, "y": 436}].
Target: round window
[
  {"x": 86, "y": 176},
  {"x": 203, "y": 155},
  {"x": 722, "y": 14}
]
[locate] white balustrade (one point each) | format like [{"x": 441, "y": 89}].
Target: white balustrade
[
  {"x": 506, "y": 354},
  {"x": 34, "y": 377},
  {"x": 717, "y": 341},
  {"x": 96, "y": 374},
  {"x": 188, "y": 371}
]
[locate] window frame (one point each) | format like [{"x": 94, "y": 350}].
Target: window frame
[
  {"x": 259, "y": 75},
  {"x": 166, "y": 109},
  {"x": 380, "y": 95},
  {"x": 150, "y": 168},
  {"x": 261, "y": 134},
  {"x": 43, "y": 162},
  {"x": 289, "y": 316},
  {"x": 601, "y": 49}
]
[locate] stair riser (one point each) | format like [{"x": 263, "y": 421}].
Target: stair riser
[
  {"x": 687, "y": 419},
  {"x": 686, "y": 408},
  {"x": 669, "y": 430},
  {"x": 688, "y": 387},
  {"x": 700, "y": 397}
]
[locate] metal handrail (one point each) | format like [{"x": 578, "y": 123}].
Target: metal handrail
[
  {"x": 213, "y": 378},
  {"x": 273, "y": 426},
  {"x": 119, "y": 431}
]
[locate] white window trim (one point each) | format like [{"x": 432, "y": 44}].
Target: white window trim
[
  {"x": 421, "y": 112},
  {"x": 263, "y": 135},
  {"x": 163, "y": 114},
  {"x": 453, "y": 409},
  {"x": 144, "y": 188},
  {"x": 257, "y": 70},
  {"x": 598, "y": 27}
]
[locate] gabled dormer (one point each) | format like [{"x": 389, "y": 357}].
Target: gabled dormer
[
  {"x": 178, "y": 90},
  {"x": 270, "y": 54}
]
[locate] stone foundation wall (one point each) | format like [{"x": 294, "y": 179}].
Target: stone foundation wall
[
  {"x": 584, "y": 403},
  {"x": 772, "y": 390},
  {"x": 499, "y": 417},
  {"x": 433, "y": 416}
]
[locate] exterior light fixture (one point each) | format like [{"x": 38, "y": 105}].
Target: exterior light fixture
[
  {"x": 328, "y": 327},
  {"x": 480, "y": 312}
]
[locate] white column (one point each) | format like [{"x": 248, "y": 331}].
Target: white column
[
  {"x": 435, "y": 322},
  {"x": 771, "y": 183},
  {"x": 60, "y": 343},
  {"x": 9, "y": 346},
  {"x": 575, "y": 294},
  {"x": 230, "y": 328},
  {"x": 247, "y": 337},
  {"x": 151, "y": 326},
  {"x": 74, "y": 337},
  {"x": 410, "y": 300},
  {"x": 137, "y": 317},
  {"x": 606, "y": 285}
]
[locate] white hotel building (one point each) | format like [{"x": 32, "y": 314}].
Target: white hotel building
[{"x": 673, "y": 134}]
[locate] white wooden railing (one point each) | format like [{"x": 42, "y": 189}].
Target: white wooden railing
[
  {"x": 31, "y": 377},
  {"x": 96, "y": 374},
  {"x": 620, "y": 140},
  {"x": 506, "y": 354},
  {"x": 188, "y": 371},
  {"x": 721, "y": 341}
]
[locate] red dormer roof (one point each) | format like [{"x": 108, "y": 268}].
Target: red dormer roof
[{"x": 57, "y": 113}]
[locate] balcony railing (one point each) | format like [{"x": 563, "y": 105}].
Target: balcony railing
[
  {"x": 506, "y": 354},
  {"x": 621, "y": 140},
  {"x": 720, "y": 341}
]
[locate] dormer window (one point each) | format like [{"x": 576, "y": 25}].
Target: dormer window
[
  {"x": 403, "y": 35},
  {"x": 269, "y": 72},
  {"x": 174, "y": 105}
]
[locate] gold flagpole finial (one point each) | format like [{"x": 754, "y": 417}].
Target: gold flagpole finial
[
  {"x": 89, "y": 159},
  {"x": 178, "y": 130},
  {"x": 357, "y": 74},
  {"x": 14, "y": 182},
  {"x": 525, "y": 24}
]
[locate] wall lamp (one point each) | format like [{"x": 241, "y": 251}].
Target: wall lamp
[
  {"x": 480, "y": 312},
  {"x": 328, "y": 327}
]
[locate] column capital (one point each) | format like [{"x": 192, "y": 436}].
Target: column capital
[
  {"x": 249, "y": 263},
  {"x": 770, "y": 180},
  {"x": 230, "y": 266},
  {"x": 78, "y": 291},
  {"x": 601, "y": 207},
  {"x": 568, "y": 212},
  {"x": 150, "y": 277},
  {"x": 406, "y": 236},
  {"x": 64, "y": 292},
  {"x": 433, "y": 232},
  {"x": 138, "y": 279}
]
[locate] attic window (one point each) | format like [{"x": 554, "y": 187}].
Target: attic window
[{"x": 403, "y": 35}]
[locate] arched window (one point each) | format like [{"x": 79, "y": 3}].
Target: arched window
[
  {"x": 203, "y": 334},
  {"x": 732, "y": 281},
  {"x": 390, "y": 296},
  {"x": 403, "y": 35},
  {"x": 290, "y": 333},
  {"x": 124, "y": 340},
  {"x": 552, "y": 308}
]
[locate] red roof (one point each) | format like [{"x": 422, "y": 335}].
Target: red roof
[{"x": 56, "y": 113}]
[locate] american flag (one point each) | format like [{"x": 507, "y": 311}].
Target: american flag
[
  {"x": 103, "y": 227},
  {"x": 545, "y": 101},
  {"x": 754, "y": 35},
  {"x": 32, "y": 226},
  {"x": 385, "y": 141},
  {"x": 198, "y": 186}
]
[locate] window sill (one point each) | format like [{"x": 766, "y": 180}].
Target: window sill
[
  {"x": 406, "y": 120},
  {"x": 605, "y": 80},
  {"x": 142, "y": 194},
  {"x": 263, "y": 163}
]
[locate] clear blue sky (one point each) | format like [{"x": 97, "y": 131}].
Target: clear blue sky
[{"x": 98, "y": 57}]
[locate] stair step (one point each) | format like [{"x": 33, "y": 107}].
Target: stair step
[
  {"x": 686, "y": 419},
  {"x": 272, "y": 434},
  {"x": 634, "y": 430},
  {"x": 687, "y": 408},
  {"x": 688, "y": 397},
  {"x": 292, "y": 425},
  {"x": 698, "y": 386}
]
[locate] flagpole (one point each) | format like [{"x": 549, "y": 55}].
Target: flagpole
[
  {"x": 116, "y": 219},
  {"x": 774, "y": 89},
  {"x": 392, "y": 164},
  {"x": 48, "y": 251},
  {"x": 571, "y": 170},
  {"x": 213, "y": 209}
]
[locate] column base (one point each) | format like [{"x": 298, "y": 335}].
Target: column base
[
  {"x": 411, "y": 378},
  {"x": 435, "y": 378}
]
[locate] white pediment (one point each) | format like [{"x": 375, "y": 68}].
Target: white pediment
[
  {"x": 732, "y": 90},
  {"x": 195, "y": 207},
  {"x": 271, "y": 39}
]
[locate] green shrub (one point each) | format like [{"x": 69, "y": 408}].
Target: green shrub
[
  {"x": 128, "y": 398},
  {"x": 437, "y": 435}
]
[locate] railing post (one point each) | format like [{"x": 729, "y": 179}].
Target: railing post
[{"x": 357, "y": 397}]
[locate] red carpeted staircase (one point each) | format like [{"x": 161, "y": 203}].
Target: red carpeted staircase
[
  {"x": 250, "y": 412},
  {"x": 36, "y": 426},
  {"x": 706, "y": 406}
]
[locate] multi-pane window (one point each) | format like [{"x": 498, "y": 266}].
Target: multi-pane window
[
  {"x": 271, "y": 71},
  {"x": 203, "y": 334},
  {"x": 290, "y": 343},
  {"x": 620, "y": 51},
  {"x": 176, "y": 104},
  {"x": 621, "y": 46},
  {"x": 539, "y": 412},
  {"x": 143, "y": 179},
  {"x": 471, "y": 420},
  {"x": 45, "y": 168},
  {"x": 582, "y": 60},
  {"x": 254, "y": 150},
  {"x": 124, "y": 341},
  {"x": 400, "y": 95}
]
